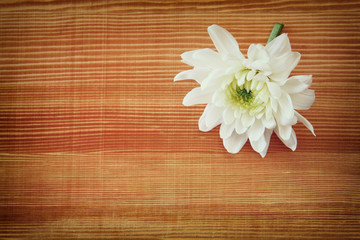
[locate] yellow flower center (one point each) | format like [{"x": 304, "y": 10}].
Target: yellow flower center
[
  {"x": 239, "y": 95},
  {"x": 246, "y": 96}
]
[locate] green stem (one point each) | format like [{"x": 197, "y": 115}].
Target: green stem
[{"x": 275, "y": 32}]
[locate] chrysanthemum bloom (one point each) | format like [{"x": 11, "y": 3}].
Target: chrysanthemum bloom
[{"x": 250, "y": 97}]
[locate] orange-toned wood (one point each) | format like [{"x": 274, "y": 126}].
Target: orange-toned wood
[{"x": 95, "y": 142}]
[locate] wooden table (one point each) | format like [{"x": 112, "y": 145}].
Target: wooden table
[{"x": 96, "y": 144}]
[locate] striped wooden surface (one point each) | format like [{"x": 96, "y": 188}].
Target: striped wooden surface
[{"x": 95, "y": 143}]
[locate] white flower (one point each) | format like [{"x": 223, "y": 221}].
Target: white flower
[{"x": 250, "y": 97}]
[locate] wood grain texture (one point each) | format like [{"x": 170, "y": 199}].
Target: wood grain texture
[{"x": 95, "y": 142}]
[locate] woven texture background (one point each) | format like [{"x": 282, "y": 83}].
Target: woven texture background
[{"x": 95, "y": 142}]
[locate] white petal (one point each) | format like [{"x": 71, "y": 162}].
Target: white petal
[
  {"x": 208, "y": 58},
  {"x": 297, "y": 84},
  {"x": 285, "y": 131},
  {"x": 235, "y": 142},
  {"x": 197, "y": 96},
  {"x": 226, "y": 130},
  {"x": 202, "y": 121},
  {"x": 256, "y": 130},
  {"x": 258, "y": 145},
  {"x": 261, "y": 65},
  {"x": 198, "y": 74},
  {"x": 257, "y": 52},
  {"x": 214, "y": 114},
  {"x": 264, "y": 94},
  {"x": 218, "y": 98},
  {"x": 253, "y": 83},
  {"x": 240, "y": 129},
  {"x": 251, "y": 52},
  {"x": 233, "y": 66},
  {"x": 188, "y": 74},
  {"x": 291, "y": 142},
  {"x": 274, "y": 104},
  {"x": 261, "y": 78},
  {"x": 285, "y": 104},
  {"x": 260, "y": 114},
  {"x": 274, "y": 89},
  {"x": 226, "y": 80},
  {"x": 283, "y": 65},
  {"x": 269, "y": 123},
  {"x": 260, "y": 85},
  {"x": 250, "y": 75},
  {"x": 203, "y": 58},
  {"x": 238, "y": 113},
  {"x": 307, "y": 79},
  {"x": 303, "y": 100},
  {"x": 267, "y": 136},
  {"x": 228, "y": 115},
  {"x": 305, "y": 122},
  {"x": 278, "y": 46},
  {"x": 224, "y": 42},
  {"x": 284, "y": 119},
  {"x": 268, "y": 111},
  {"x": 215, "y": 77},
  {"x": 187, "y": 57},
  {"x": 247, "y": 120},
  {"x": 240, "y": 76}
]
